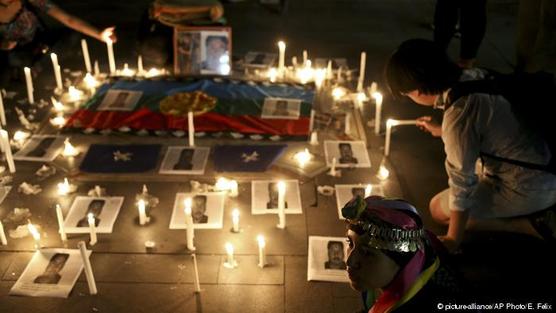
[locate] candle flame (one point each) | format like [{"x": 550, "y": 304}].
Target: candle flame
[
  {"x": 281, "y": 45},
  {"x": 58, "y": 121},
  {"x": 272, "y": 74},
  {"x": 338, "y": 93},
  {"x": 229, "y": 248},
  {"x": 69, "y": 149},
  {"x": 281, "y": 187},
  {"x": 383, "y": 173},
  {"x": 261, "y": 241},
  {"x": 90, "y": 81},
  {"x": 235, "y": 213},
  {"x": 127, "y": 71},
  {"x": 222, "y": 184},
  {"x": 74, "y": 93},
  {"x": 64, "y": 188},
  {"x": 21, "y": 135},
  {"x": 303, "y": 157},
  {"x": 57, "y": 105}
]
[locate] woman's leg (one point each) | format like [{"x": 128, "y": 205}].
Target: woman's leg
[{"x": 439, "y": 209}]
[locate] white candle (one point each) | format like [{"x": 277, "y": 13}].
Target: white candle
[
  {"x": 235, "y": 221},
  {"x": 92, "y": 229},
  {"x": 378, "y": 111},
  {"x": 339, "y": 77},
  {"x": 29, "y": 84},
  {"x": 391, "y": 123},
  {"x": 333, "y": 167},
  {"x": 233, "y": 192},
  {"x": 35, "y": 233},
  {"x": 86, "y": 57},
  {"x": 314, "y": 139},
  {"x": 3, "y": 239},
  {"x": 59, "y": 121},
  {"x": 230, "y": 261},
  {"x": 196, "y": 277},
  {"x": 312, "y": 120},
  {"x": 64, "y": 188},
  {"x": 281, "y": 205},
  {"x": 97, "y": 69},
  {"x": 111, "y": 60},
  {"x": 383, "y": 173},
  {"x": 303, "y": 157},
  {"x": 361, "y": 72},
  {"x": 5, "y": 142},
  {"x": 347, "y": 124},
  {"x": 60, "y": 218},
  {"x": 191, "y": 129},
  {"x": 90, "y": 82},
  {"x": 2, "y": 111},
  {"x": 189, "y": 224},
  {"x": 304, "y": 57},
  {"x": 88, "y": 269},
  {"x": 57, "y": 71},
  {"x": 140, "y": 68},
  {"x": 143, "y": 219},
  {"x": 329, "y": 70},
  {"x": 368, "y": 190},
  {"x": 262, "y": 256},
  {"x": 281, "y": 57},
  {"x": 373, "y": 88}
]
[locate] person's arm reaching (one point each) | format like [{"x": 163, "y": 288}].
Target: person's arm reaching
[{"x": 81, "y": 26}]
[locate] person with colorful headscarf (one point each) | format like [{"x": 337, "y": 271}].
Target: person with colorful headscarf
[{"x": 393, "y": 260}]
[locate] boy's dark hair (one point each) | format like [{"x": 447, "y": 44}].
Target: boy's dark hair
[{"x": 420, "y": 64}]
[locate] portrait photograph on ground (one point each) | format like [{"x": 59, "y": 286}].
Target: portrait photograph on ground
[
  {"x": 182, "y": 160},
  {"x": 104, "y": 209},
  {"x": 347, "y": 153},
  {"x": 327, "y": 259},
  {"x": 40, "y": 148},
  {"x": 281, "y": 108},
  {"x": 207, "y": 210},
  {"x": 344, "y": 193},
  {"x": 120, "y": 100},
  {"x": 264, "y": 197},
  {"x": 50, "y": 273}
]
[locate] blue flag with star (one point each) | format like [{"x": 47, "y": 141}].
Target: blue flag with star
[{"x": 120, "y": 158}]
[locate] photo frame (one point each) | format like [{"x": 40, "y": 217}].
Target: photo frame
[
  {"x": 347, "y": 153},
  {"x": 326, "y": 260},
  {"x": 207, "y": 210},
  {"x": 105, "y": 209},
  {"x": 50, "y": 273},
  {"x": 281, "y": 108},
  {"x": 120, "y": 100},
  {"x": 202, "y": 50},
  {"x": 184, "y": 160},
  {"x": 264, "y": 197},
  {"x": 40, "y": 148},
  {"x": 344, "y": 193}
]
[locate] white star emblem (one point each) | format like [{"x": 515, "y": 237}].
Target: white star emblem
[
  {"x": 122, "y": 156},
  {"x": 253, "y": 157}
]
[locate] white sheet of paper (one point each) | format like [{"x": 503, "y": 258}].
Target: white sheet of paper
[
  {"x": 40, "y": 148},
  {"x": 120, "y": 100},
  {"x": 261, "y": 202},
  {"x": 321, "y": 266},
  {"x": 50, "y": 273},
  {"x": 281, "y": 108},
  {"x": 207, "y": 210},
  {"x": 347, "y": 153},
  {"x": 183, "y": 160},
  {"x": 109, "y": 208}
]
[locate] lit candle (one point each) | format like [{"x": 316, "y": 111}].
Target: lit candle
[
  {"x": 21, "y": 135},
  {"x": 191, "y": 129},
  {"x": 338, "y": 93},
  {"x": 234, "y": 192},
  {"x": 57, "y": 105},
  {"x": 29, "y": 84},
  {"x": 2, "y": 111},
  {"x": 69, "y": 149},
  {"x": 88, "y": 269},
  {"x": 329, "y": 70},
  {"x": 64, "y": 188},
  {"x": 378, "y": 111},
  {"x": 347, "y": 124},
  {"x": 319, "y": 76},
  {"x": 230, "y": 261},
  {"x": 35, "y": 233},
  {"x": 235, "y": 221},
  {"x": 281, "y": 57},
  {"x": 304, "y": 57},
  {"x": 74, "y": 94},
  {"x": 189, "y": 225},
  {"x": 153, "y": 72},
  {"x": 373, "y": 88},
  {"x": 281, "y": 205},
  {"x": 383, "y": 173},
  {"x": 391, "y": 123},
  {"x": 57, "y": 71},
  {"x": 127, "y": 71},
  {"x": 314, "y": 139},
  {"x": 196, "y": 277},
  {"x": 312, "y": 120},
  {"x": 368, "y": 190},
  {"x": 262, "y": 256},
  {"x": 97, "y": 69},
  {"x": 86, "y": 57},
  {"x": 60, "y": 218},
  {"x": 272, "y": 74},
  {"x": 222, "y": 184},
  {"x": 361, "y": 72},
  {"x": 90, "y": 82},
  {"x": 58, "y": 121},
  {"x": 143, "y": 219},
  {"x": 3, "y": 239},
  {"x": 303, "y": 157},
  {"x": 5, "y": 142},
  {"x": 92, "y": 229},
  {"x": 111, "y": 60},
  {"x": 140, "y": 68},
  {"x": 333, "y": 167}
]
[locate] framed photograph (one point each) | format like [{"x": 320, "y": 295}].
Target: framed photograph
[
  {"x": 344, "y": 193},
  {"x": 119, "y": 100},
  {"x": 207, "y": 210},
  {"x": 202, "y": 50},
  {"x": 50, "y": 273},
  {"x": 347, "y": 153},
  {"x": 105, "y": 210},
  {"x": 281, "y": 108},
  {"x": 40, "y": 148},
  {"x": 264, "y": 197},
  {"x": 327, "y": 259},
  {"x": 260, "y": 59},
  {"x": 4, "y": 191},
  {"x": 182, "y": 160}
]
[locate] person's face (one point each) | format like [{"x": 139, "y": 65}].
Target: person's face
[
  {"x": 345, "y": 151},
  {"x": 56, "y": 263},
  {"x": 216, "y": 47},
  {"x": 199, "y": 207},
  {"x": 336, "y": 253},
  {"x": 273, "y": 192},
  {"x": 186, "y": 155},
  {"x": 122, "y": 96},
  {"x": 421, "y": 98},
  {"x": 368, "y": 268}
]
